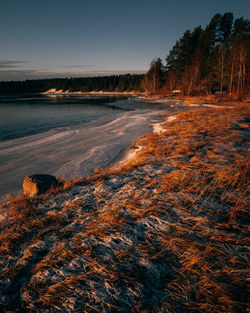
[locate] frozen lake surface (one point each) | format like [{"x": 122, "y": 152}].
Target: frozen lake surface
[{"x": 83, "y": 133}]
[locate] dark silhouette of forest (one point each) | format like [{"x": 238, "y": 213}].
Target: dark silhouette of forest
[
  {"x": 203, "y": 61},
  {"x": 120, "y": 83}
]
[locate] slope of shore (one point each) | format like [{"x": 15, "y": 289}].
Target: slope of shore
[{"x": 166, "y": 231}]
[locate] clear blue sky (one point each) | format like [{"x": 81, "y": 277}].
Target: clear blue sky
[{"x": 58, "y": 38}]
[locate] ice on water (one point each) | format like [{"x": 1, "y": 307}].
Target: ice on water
[{"x": 72, "y": 151}]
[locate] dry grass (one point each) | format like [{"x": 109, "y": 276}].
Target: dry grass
[{"x": 167, "y": 232}]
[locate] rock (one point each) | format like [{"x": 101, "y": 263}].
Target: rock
[{"x": 38, "y": 184}]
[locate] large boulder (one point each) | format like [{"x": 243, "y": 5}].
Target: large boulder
[{"x": 38, "y": 184}]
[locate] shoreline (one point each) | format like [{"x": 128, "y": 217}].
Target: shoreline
[
  {"x": 84, "y": 162},
  {"x": 81, "y": 149},
  {"x": 211, "y": 100},
  {"x": 55, "y": 138},
  {"x": 175, "y": 212}
]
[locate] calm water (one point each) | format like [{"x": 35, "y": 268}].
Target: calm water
[{"x": 23, "y": 115}]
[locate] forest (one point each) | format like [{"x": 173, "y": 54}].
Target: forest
[
  {"x": 205, "y": 61},
  {"x": 120, "y": 83},
  {"x": 202, "y": 62}
]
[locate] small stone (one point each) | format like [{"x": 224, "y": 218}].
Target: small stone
[{"x": 38, "y": 184}]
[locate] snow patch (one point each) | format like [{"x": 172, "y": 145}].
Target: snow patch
[{"x": 159, "y": 127}]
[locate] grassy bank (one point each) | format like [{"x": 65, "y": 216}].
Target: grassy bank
[{"x": 165, "y": 232}]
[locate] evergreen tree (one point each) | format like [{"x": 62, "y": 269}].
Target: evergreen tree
[{"x": 211, "y": 59}]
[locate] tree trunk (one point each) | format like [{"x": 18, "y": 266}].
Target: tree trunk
[
  {"x": 231, "y": 74},
  {"x": 222, "y": 68}
]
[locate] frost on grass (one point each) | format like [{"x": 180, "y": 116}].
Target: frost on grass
[{"x": 166, "y": 232}]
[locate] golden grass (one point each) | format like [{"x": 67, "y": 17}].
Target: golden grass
[{"x": 170, "y": 237}]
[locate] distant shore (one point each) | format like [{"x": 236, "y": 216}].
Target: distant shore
[
  {"x": 54, "y": 91},
  {"x": 216, "y": 100}
]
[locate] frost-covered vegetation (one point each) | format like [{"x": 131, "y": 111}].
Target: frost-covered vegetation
[{"x": 166, "y": 232}]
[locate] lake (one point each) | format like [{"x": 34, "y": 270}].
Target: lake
[
  {"x": 23, "y": 115},
  {"x": 70, "y": 135}
]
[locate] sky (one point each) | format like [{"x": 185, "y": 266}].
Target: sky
[{"x": 72, "y": 38}]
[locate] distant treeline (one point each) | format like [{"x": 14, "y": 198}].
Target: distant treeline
[
  {"x": 128, "y": 82},
  {"x": 202, "y": 61}
]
